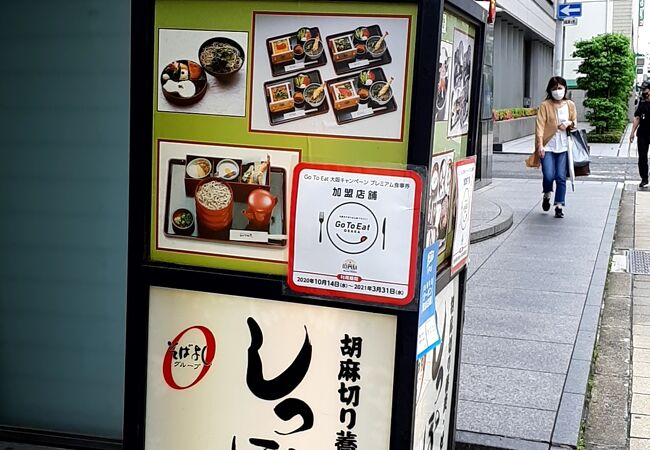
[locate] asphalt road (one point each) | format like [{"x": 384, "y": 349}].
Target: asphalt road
[{"x": 602, "y": 168}]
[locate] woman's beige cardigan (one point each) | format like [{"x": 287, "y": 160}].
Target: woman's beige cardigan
[{"x": 546, "y": 126}]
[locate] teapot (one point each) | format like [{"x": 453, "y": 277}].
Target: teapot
[{"x": 260, "y": 208}]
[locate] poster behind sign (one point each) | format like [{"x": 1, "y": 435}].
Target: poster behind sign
[
  {"x": 440, "y": 199},
  {"x": 442, "y": 91},
  {"x": 191, "y": 80},
  {"x": 461, "y": 81},
  {"x": 465, "y": 172},
  {"x": 222, "y": 405},
  {"x": 435, "y": 384},
  {"x": 351, "y": 113}
]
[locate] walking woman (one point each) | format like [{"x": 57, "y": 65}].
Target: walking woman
[{"x": 555, "y": 115}]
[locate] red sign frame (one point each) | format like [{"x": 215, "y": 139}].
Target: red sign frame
[{"x": 417, "y": 207}]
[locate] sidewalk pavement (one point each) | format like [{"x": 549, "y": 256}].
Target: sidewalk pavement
[
  {"x": 619, "y": 410},
  {"x": 532, "y": 308},
  {"x": 622, "y": 149}
]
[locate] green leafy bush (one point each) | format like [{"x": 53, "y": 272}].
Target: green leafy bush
[
  {"x": 611, "y": 137},
  {"x": 513, "y": 113},
  {"x": 608, "y": 67}
]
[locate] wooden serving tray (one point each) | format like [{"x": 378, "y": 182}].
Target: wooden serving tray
[
  {"x": 294, "y": 65},
  {"x": 297, "y": 113},
  {"x": 176, "y": 198},
  {"x": 364, "y": 61},
  {"x": 361, "y": 111}
]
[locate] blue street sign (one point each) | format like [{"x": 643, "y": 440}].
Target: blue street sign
[{"x": 566, "y": 10}]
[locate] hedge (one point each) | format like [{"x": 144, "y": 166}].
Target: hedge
[
  {"x": 513, "y": 113},
  {"x": 610, "y": 137}
]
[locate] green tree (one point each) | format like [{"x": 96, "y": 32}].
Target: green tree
[{"x": 609, "y": 71}]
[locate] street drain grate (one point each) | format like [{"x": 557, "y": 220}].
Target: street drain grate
[{"x": 639, "y": 262}]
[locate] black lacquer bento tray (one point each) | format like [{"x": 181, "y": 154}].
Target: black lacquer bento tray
[
  {"x": 361, "y": 111},
  {"x": 294, "y": 65},
  {"x": 364, "y": 61},
  {"x": 177, "y": 198},
  {"x": 297, "y": 113}
]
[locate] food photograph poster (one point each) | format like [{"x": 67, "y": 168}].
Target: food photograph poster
[
  {"x": 227, "y": 372},
  {"x": 348, "y": 79},
  {"x": 244, "y": 91}
]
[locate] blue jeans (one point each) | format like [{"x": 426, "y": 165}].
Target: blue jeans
[{"x": 554, "y": 168}]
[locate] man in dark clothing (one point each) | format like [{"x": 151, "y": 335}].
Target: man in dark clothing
[{"x": 641, "y": 127}]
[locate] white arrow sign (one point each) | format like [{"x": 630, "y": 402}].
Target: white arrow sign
[{"x": 569, "y": 10}]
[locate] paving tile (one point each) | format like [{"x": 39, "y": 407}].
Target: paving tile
[
  {"x": 641, "y": 355},
  {"x": 641, "y": 319},
  {"x": 502, "y": 261},
  {"x": 584, "y": 345},
  {"x": 524, "y": 300},
  {"x": 565, "y": 282},
  {"x": 641, "y": 330},
  {"x": 590, "y": 318},
  {"x": 499, "y": 420},
  {"x": 640, "y": 301},
  {"x": 613, "y": 351},
  {"x": 641, "y": 309},
  {"x": 511, "y": 387},
  {"x": 569, "y": 417},
  {"x": 516, "y": 353},
  {"x": 607, "y": 423},
  {"x": 640, "y": 404},
  {"x": 577, "y": 377},
  {"x": 641, "y": 369},
  {"x": 641, "y": 292},
  {"x": 616, "y": 311},
  {"x": 520, "y": 325},
  {"x": 640, "y": 426},
  {"x": 469, "y": 440},
  {"x": 641, "y": 385},
  {"x": 639, "y": 444},
  {"x": 640, "y": 341}
]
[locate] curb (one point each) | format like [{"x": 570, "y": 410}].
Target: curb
[{"x": 495, "y": 226}]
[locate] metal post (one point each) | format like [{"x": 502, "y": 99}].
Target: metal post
[{"x": 557, "y": 50}]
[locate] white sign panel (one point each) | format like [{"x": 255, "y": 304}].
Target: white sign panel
[
  {"x": 465, "y": 171},
  {"x": 233, "y": 373},
  {"x": 434, "y": 387},
  {"x": 354, "y": 232}
]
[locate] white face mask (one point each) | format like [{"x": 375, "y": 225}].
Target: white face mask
[{"x": 558, "y": 94}]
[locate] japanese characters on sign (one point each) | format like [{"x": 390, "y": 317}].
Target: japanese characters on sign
[
  {"x": 254, "y": 374},
  {"x": 428, "y": 334},
  {"x": 465, "y": 172},
  {"x": 354, "y": 232}
]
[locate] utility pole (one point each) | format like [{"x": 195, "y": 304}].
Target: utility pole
[{"x": 558, "y": 56}]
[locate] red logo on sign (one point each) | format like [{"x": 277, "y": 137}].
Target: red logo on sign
[{"x": 208, "y": 357}]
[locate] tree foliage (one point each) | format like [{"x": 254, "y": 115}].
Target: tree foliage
[{"x": 609, "y": 71}]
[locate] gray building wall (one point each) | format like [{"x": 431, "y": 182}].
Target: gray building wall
[
  {"x": 64, "y": 184},
  {"x": 517, "y": 77},
  {"x": 622, "y": 17}
]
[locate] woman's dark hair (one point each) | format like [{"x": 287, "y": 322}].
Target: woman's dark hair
[{"x": 556, "y": 81}]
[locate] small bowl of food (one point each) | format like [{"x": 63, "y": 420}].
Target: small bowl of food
[
  {"x": 227, "y": 169},
  {"x": 364, "y": 95},
  {"x": 301, "y": 81},
  {"x": 366, "y": 78},
  {"x": 361, "y": 49},
  {"x": 380, "y": 95},
  {"x": 183, "y": 222},
  {"x": 298, "y": 52},
  {"x": 314, "y": 95},
  {"x": 304, "y": 34},
  {"x": 312, "y": 50},
  {"x": 198, "y": 168},
  {"x": 299, "y": 99},
  {"x": 221, "y": 57},
  {"x": 372, "y": 42},
  {"x": 183, "y": 82},
  {"x": 361, "y": 35}
]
